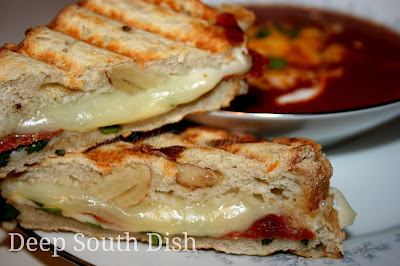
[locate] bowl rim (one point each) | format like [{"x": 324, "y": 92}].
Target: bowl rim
[
  {"x": 321, "y": 114},
  {"x": 315, "y": 115}
]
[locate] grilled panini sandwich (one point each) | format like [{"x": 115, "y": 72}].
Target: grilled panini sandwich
[
  {"x": 106, "y": 68},
  {"x": 231, "y": 193}
]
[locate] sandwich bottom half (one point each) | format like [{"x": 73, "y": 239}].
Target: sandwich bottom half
[{"x": 229, "y": 192}]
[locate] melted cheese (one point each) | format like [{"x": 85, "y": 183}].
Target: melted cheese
[
  {"x": 214, "y": 217},
  {"x": 346, "y": 214},
  {"x": 138, "y": 96}
]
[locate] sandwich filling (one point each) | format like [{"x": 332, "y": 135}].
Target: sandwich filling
[
  {"x": 232, "y": 215},
  {"x": 141, "y": 97}
]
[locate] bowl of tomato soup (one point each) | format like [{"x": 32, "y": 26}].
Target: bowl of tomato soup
[{"x": 326, "y": 74}]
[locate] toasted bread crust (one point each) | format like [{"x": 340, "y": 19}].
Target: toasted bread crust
[
  {"x": 197, "y": 9},
  {"x": 83, "y": 49},
  {"x": 300, "y": 159},
  {"x": 164, "y": 22},
  {"x": 201, "y": 163}
]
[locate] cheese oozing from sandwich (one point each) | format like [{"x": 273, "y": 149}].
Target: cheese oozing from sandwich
[
  {"x": 215, "y": 217},
  {"x": 141, "y": 97}
]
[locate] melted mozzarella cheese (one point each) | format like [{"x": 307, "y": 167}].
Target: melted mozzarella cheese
[
  {"x": 129, "y": 103},
  {"x": 346, "y": 214},
  {"x": 213, "y": 217}
]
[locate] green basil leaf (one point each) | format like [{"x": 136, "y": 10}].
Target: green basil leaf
[
  {"x": 36, "y": 146},
  {"x": 291, "y": 32},
  {"x": 95, "y": 225},
  {"x": 60, "y": 152},
  {"x": 20, "y": 148},
  {"x": 155, "y": 239},
  {"x": 56, "y": 211},
  {"x": 266, "y": 241},
  {"x": 38, "y": 204},
  {"x": 277, "y": 63},
  {"x": 7, "y": 211},
  {"x": 4, "y": 158},
  {"x": 263, "y": 33},
  {"x": 110, "y": 129},
  {"x": 304, "y": 242}
]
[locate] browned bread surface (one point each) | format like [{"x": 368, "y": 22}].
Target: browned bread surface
[
  {"x": 87, "y": 52},
  {"x": 201, "y": 165}
]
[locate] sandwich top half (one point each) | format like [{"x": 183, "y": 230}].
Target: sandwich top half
[{"x": 105, "y": 68}]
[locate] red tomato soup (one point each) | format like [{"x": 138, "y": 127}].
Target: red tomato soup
[{"x": 320, "y": 61}]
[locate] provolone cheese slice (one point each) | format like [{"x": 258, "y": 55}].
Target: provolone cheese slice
[
  {"x": 213, "y": 217},
  {"x": 137, "y": 97}
]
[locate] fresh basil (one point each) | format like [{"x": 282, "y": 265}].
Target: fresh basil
[
  {"x": 36, "y": 146},
  {"x": 304, "y": 242},
  {"x": 155, "y": 240},
  {"x": 110, "y": 129},
  {"x": 56, "y": 211},
  {"x": 7, "y": 211},
  {"x": 95, "y": 225},
  {"x": 291, "y": 32},
  {"x": 5, "y": 157},
  {"x": 38, "y": 204},
  {"x": 277, "y": 63},
  {"x": 51, "y": 210},
  {"x": 263, "y": 33},
  {"x": 266, "y": 241},
  {"x": 60, "y": 152}
]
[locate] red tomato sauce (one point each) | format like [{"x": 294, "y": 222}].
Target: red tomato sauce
[
  {"x": 13, "y": 141},
  {"x": 273, "y": 226},
  {"x": 233, "y": 32},
  {"x": 371, "y": 74}
]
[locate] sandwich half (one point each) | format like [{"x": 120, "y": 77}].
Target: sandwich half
[
  {"x": 102, "y": 69},
  {"x": 232, "y": 193}
]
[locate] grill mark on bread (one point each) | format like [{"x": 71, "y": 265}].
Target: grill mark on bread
[
  {"x": 298, "y": 141},
  {"x": 105, "y": 158},
  {"x": 272, "y": 166},
  {"x": 126, "y": 28},
  {"x": 28, "y": 30},
  {"x": 226, "y": 142},
  {"x": 304, "y": 158},
  {"x": 201, "y": 33},
  {"x": 310, "y": 163},
  {"x": 197, "y": 9},
  {"x": 51, "y": 51},
  {"x": 62, "y": 23},
  {"x": 172, "y": 153},
  {"x": 194, "y": 8}
]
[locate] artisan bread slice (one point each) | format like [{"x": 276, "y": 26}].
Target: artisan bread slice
[
  {"x": 48, "y": 83},
  {"x": 232, "y": 193},
  {"x": 111, "y": 79}
]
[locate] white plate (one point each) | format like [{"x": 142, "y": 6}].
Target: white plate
[
  {"x": 326, "y": 129},
  {"x": 365, "y": 170}
]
